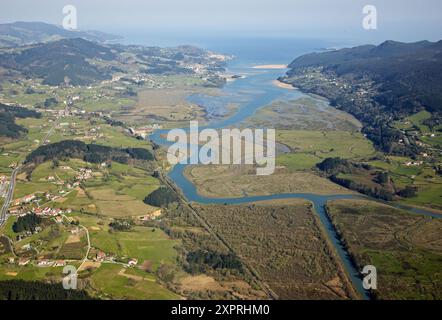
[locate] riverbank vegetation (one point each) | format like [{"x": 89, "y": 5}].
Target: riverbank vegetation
[
  {"x": 236, "y": 181},
  {"x": 285, "y": 244},
  {"x": 214, "y": 271},
  {"x": 405, "y": 248}
]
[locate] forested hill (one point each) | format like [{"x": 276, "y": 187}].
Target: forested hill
[
  {"x": 24, "y": 33},
  {"x": 378, "y": 85},
  {"x": 8, "y": 127},
  {"x": 88, "y": 152},
  {"x": 78, "y": 61},
  {"x": 409, "y": 74},
  {"x": 57, "y": 61}
]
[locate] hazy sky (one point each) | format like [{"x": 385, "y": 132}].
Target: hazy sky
[{"x": 331, "y": 19}]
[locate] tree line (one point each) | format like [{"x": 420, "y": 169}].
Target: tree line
[
  {"x": 332, "y": 167},
  {"x": 8, "y": 127},
  {"x": 34, "y": 290},
  {"x": 161, "y": 197},
  {"x": 93, "y": 153},
  {"x": 26, "y": 223},
  {"x": 199, "y": 260}
]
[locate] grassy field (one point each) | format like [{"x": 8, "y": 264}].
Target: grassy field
[
  {"x": 405, "y": 248},
  {"x": 13, "y": 151},
  {"x": 236, "y": 181},
  {"x": 311, "y": 147},
  {"x": 112, "y": 204},
  {"x": 297, "y": 161},
  {"x": 429, "y": 195},
  {"x": 303, "y": 114},
  {"x": 110, "y": 283},
  {"x": 313, "y": 131},
  {"x": 142, "y": 243},
  {"x": 6, "y": 229},
  {"x": 166, "y": 106},
  {"x": 117, "y": 191},
  {"x": 284, "y": 243},
  {"x": 30, "y": 273},
  {"x": 15, "y": 93},
  {"x": 327, "y": 144},
  {"x": 415, "y": 120},
  {"x": 55, "y": 242},
  {"x": 423, "y": 177},
  {"x": 121, "y": 190}
]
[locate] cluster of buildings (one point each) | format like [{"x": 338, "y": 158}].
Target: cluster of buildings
[
  {"x": 101, "y": 256},
  {"x": 51, "y": 212},
  {"x": 40, "y": 263},
  {"x": 46, "y": 211},
  {"x": 84, "y": 174},
  {"x": 151, "y": 216},
  {"x": 31, "y": 202},
  {"x": 25, "y": 200},
  {"x": 413, "y": 163},
  {"x": 4, "y": 183},
  {"x": 50, "y": 263}
]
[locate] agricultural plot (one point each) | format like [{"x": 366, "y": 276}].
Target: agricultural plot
[
  {"x": 142, "y": 243},
  {"x": 109, "y": 281},
  {"x": 405, "y": 248},
  {"x": 415, "y": 121},
  {"x": 423, "y": 177},
  {"x": 6, "y": 229},
  {"x": 150, "y": 246},
  {"x": 112, "y": 204},
  {"x": 31, "y": 273},
  {"x": 117, "y": 190},
  {"x": 54, "y": 242}
]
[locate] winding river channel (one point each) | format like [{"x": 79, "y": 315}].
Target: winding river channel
[{"x": 252, "y": 93}]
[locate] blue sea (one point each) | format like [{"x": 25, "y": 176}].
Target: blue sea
[{"x": 246, "y": 49}]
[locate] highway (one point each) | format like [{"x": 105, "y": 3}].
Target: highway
[{"x": 9, "y": 195}]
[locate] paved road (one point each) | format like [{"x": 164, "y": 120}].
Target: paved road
[
  {"x": 10, "y": 192},
  {"x": 85, "y": 259},
  {"x": 88, "y": 247},
  {"x": 9, "y": 195}
]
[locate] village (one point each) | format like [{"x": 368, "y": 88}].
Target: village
[{"x": 43, "y": 205}]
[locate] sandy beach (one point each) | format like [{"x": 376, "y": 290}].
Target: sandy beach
[
  {"x": 283, "y": 85},
  {"x": 271, "y": 66}
]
